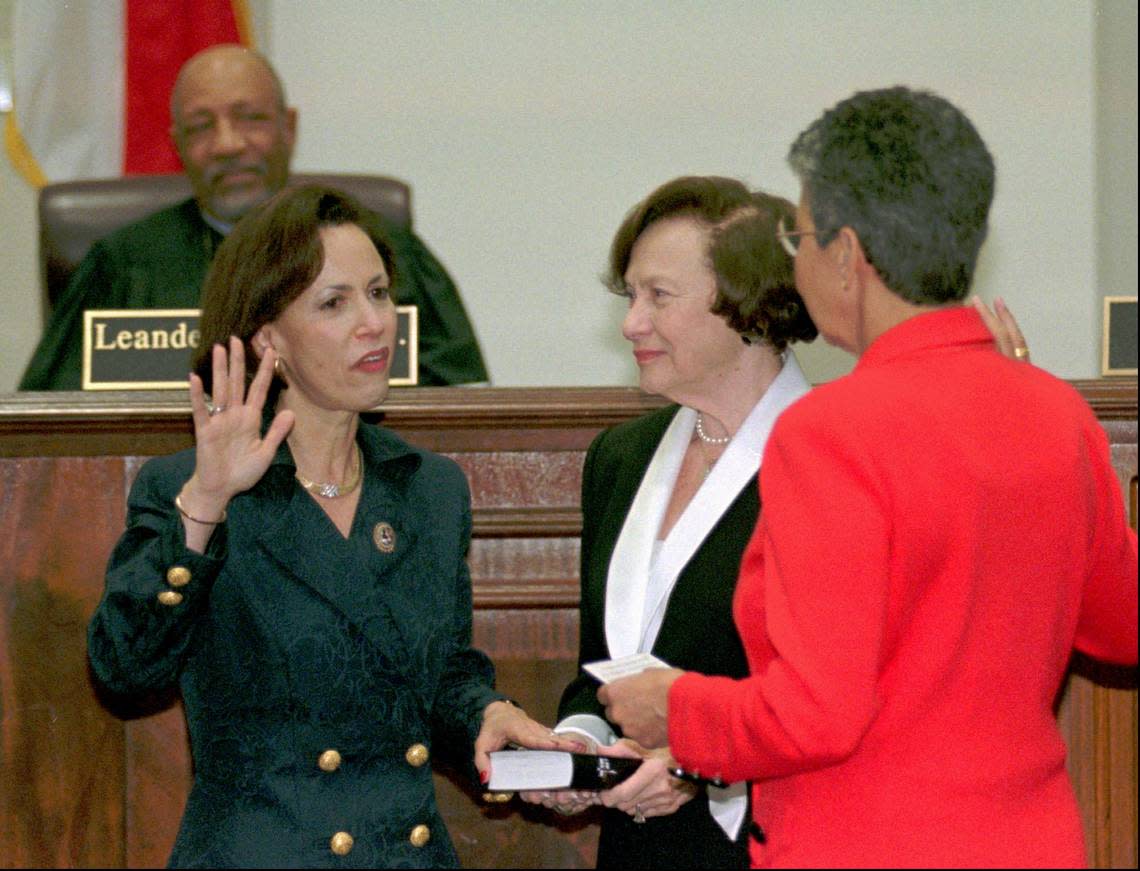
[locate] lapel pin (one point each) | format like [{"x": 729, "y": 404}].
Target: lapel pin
[{"x": 384, "y": 536}]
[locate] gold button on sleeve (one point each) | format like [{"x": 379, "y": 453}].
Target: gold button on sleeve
[
  {"x": 420, "y": 835},
  {"x": 341, "y": 843},
  {"x": 417, "y": 755},
  {"x": 329, "y": 760},
  {"x": 178, "y": 576},
  {"x": 170, "y": 598}
]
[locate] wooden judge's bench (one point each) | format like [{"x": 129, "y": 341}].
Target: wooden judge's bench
[{"x": 85, "y": 786}]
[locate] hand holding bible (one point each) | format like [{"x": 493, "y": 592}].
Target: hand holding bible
[{"x": 652, "y": 790}]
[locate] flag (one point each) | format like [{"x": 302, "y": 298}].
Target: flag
[{"x": 91, "y": 82}]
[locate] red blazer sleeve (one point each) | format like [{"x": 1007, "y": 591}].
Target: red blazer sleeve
[
  {"x": 813, "y": 621},
  {"x": 1106, "y": 628}
]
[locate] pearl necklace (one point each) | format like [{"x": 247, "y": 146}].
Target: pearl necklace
[
  {"x": 330, "y": 490},
  {"x": 707, "y": 439}
]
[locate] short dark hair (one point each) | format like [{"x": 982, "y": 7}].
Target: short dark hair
[
  {"x": 756, "y": 292},
  {"x": 267, "y": 261},
  {"x": 907, "y": 171}
]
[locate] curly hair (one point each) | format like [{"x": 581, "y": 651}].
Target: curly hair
[
  {"x": 267, "y": 261},
  {"x": 756, "y": 293},
  {"x": 907, "y": 171}
]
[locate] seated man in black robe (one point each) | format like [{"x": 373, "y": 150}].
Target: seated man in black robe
[{"x": 234, "y": 135}]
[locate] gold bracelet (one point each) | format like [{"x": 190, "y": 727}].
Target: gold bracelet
[{"x": 182, "y": 511}]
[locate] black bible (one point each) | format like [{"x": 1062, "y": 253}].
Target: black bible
[{"x": 518, "y": 770}]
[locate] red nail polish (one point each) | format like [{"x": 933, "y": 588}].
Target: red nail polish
[{"x": 484, "y": 776}]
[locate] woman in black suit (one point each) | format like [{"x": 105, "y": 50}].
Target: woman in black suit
[
  {"x": 301, "y": 575},
  {"x": 669, "y": 500}
]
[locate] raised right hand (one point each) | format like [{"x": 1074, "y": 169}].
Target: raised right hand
[{"x": 231, "y": 455}]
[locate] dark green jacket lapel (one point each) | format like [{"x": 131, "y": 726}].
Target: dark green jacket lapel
[{"x": 362, "y": 583}]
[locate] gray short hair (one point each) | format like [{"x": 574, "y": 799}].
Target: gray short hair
[{"x": 907, "y": 171}]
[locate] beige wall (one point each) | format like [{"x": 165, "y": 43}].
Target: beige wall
[
  {"x": 1116, "y": 218},
  {"x": 527, "y": 129},
  {"x": 19, "y": 276}
]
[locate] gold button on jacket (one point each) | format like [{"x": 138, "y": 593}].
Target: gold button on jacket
[
  {"x": 417, "y": 755},
  {"x": 329, "y": 760},
  {"x": 170, "y": 597},
  {"x": 420, "y": 835},
  {"x": 341, "y": 843},
  {"x": 178, "y": 576}
]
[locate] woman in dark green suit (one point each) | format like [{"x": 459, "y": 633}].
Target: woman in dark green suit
[
  {"x": 670, "y": 500},
  {"x": 301, "y": 575}
]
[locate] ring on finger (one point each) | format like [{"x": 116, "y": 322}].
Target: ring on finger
[
  {"x": 1021, "y": 352},
  {"x": 217, "y": 409},
  {"x": 638, "y": 816}
]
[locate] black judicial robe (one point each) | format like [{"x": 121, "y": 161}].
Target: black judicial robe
[{"x": 162, "y": 260}]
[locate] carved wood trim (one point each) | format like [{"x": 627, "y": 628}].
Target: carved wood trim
[
  {"x": 424, "y": 408},
  {"x": 145, "y": 423},
  {"x": 544, "y": 593},
  {"x": 1110, "y": 398},
  {"x": 526, "y": 523}
]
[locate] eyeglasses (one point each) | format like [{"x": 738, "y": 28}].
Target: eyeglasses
[{"x": 791, "y": 239}]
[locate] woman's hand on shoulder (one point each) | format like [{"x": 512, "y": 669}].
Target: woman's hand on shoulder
[
  {"x": 651, "y": 791},
  {"x": 231, "y": 455},
  {"x": 1003, "y": 325}
]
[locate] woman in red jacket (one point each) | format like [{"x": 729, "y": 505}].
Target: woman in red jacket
[{"x": 941, "y": 528}]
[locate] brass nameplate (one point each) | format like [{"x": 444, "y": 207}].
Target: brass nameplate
[
  {"x": 150, "y": 349},
  {"x": 1119, "y": 357}
]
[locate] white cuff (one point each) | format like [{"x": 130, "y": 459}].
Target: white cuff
[
  {"x": 588, "y": 726},
  {"x": 728, "y": 806}
]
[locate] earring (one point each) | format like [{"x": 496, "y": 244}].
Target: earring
[{"x": 277, "y": 367}]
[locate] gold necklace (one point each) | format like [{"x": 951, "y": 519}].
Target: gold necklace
[{"x": 330, "y": 490}]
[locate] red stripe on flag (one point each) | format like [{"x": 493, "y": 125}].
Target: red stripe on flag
[{"x": 161, "y": 35}]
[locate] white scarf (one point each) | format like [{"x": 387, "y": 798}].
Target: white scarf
[{"x": 638, "y": 586}]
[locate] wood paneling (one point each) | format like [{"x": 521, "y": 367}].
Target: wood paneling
[
  {"x": 87, "y": 783},
  {"x": 62, "y": 757},
  {"x": 1098, "y": 716}
]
